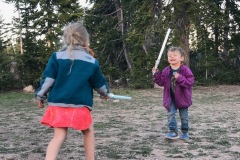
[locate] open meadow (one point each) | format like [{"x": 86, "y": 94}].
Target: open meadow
[{"x": 129, "y": 129}]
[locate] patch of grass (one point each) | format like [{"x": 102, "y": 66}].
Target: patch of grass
[
  {"x": 71, "y": 157},
  {"x": 151, "y": 138},
  {"x": 13, "y": 99},
  {"x": 31, "y": 131},
  {"x": 202, "y": 154},
  {"x": 113, "y": 154},
  {"x": 236, "y": 154},
  {"x": 113, "y": 150},
  {"x": 209, "y": 146},
  {"x": 196, "y": 139},
  {"x": 3, "y": 150},
  {"x": 235, "y": 130},
  {"x": 124, "y": 138},
  {"x": 193, "y": 146},
  {"x": 145, "y": 151},
  {"x": 130, "y": 156},
  {"x": 223, "y": 142},
  {"x": 129, "y": 129},
  {"x": 189, "y": 155},
  {"x": 141, "y": 150},
  {"x": 38, "y": 150},
  {"x": 174, "y": 150},
  {"x": 45, "y": 130},
  {"x": 24, "y": 155},
  {"x": 103, "y": 125},
  {"x": 214, "y": 134},
  {"x": 213, "y": 99}
]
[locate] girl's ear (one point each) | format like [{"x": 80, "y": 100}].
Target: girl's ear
[{"x": 182, "y": 60}]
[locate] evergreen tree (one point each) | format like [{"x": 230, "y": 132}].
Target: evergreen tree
[
  {"x": 2, "y": 35},
  {"x": 5, "y": 59},
  {"x": 107, "y": 38},
  {"x": 127, "y": 35},
  {"x": 39, "y": 28}
]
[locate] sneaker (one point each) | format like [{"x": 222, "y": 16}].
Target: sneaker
[
  {"x": 172, "y": 135},
  {"x": 184, "y": 136}
]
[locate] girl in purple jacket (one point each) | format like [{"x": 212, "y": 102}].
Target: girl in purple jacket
[{"x": 177, "y": 80}]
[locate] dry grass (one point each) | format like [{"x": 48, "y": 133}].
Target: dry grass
[{"x": 129, "y": 129}]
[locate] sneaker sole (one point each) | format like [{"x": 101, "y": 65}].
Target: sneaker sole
[
  {"x": 173, "y": 138},
  {"x": 184, "y": 139}
]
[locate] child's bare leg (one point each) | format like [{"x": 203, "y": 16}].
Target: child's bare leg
[
  {"x": 89, "y": 143},
  {"x": 56, "y": 143}
]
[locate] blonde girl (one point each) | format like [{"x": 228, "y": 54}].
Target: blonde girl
[{"x": 69, "y": 79}]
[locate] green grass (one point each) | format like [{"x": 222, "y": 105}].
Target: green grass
[
  {"x": 142, "y": 150},
  {"x": 223, "y": 142},
  {"x": 174, "y": 150},
  {"x": 13, "y": 99}
]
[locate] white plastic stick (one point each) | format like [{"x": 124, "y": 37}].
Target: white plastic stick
[
  {"x": 162, "y": 49},
  {"x": 110, "y": 95}
]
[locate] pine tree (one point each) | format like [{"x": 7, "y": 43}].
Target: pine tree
[
  {"x": 39, "y": 27},
  {"x": 2, "y": 35}
]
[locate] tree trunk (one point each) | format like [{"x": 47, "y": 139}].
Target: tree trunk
[
  {"x": 226, "y": 31},
  {"x": 184, "y": 43},
  {"x": 20, "y": 29},
  {"x": 183, "y": 25},
  {"x": 49, "y": 26},
  {"x": 216, "y": 31},
  {"x": 121, "y": 24},
  {"x": 216, "y": 41}
]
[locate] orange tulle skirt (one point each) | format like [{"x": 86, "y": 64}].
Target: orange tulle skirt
[{"x": 76, "y": 118}]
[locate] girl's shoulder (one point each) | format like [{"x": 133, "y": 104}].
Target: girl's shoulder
[
  {"x": 186, "y": 69},
  {"x": 166, "y": 69}
]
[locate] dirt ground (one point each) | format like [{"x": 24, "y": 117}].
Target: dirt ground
[{"x": 129, "y": 129}]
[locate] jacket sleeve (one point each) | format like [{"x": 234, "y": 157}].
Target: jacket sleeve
[
  {"x": 158, "y": 78},
  {"x": 186, "y": 80},
  {"x": 48, "y": 78},
  {"x": 98, "y": 81}
]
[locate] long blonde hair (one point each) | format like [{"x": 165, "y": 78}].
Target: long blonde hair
[{"x": 75, "y": 34}]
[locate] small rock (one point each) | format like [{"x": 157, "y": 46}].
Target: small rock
[
  {"x": 235, "y": 149},
  {"x": 215, "y": 156},
  {"x": 157, "y": 86},
  {"x": 29, "y": 89},
  {"x": 178, "y": 156},
  {"x": 9, "y": 157},
  {"x": 116, "y": 100},
  {"x": 33, "y": 156}
]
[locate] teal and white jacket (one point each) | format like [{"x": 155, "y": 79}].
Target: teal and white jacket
[{"x": 72, "y": 86}]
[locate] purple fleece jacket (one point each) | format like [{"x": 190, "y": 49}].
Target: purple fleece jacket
[{"x": 183, "y": 88}]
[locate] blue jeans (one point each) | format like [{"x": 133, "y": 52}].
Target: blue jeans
[{"x": 172, "y": 122}]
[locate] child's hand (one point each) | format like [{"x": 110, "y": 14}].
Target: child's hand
[
  {"x": 154, "y": 70},
  {"x": 176, "y": 75},
  {"x": 40, "y": 104},
  {"x": 104, "y": 97}
]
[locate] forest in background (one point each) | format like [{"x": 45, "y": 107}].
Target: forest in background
[{"x": 126, "y": 36}]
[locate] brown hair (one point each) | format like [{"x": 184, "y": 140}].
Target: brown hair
[{"x": 179, "y": 49}]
